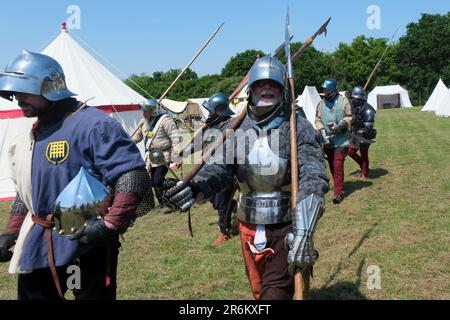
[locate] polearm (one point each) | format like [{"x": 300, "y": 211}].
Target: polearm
[
  {"x": 183, "y": 71},
  {"x": 310, "y": 40},
  {"x": 379, "y": 61},
  {"x": 301, "y": 277},
  {"x": 295, "y": 56},
  {"x": 235, "y": 92}
]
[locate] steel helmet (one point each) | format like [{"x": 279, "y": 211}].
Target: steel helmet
[
  {"x": 267, "y": 67},
  {"x": 148, "y": 105},
  {"x": 219, "y": 104},
  {"x": 34, "y": 73},
  {"x": 330, "y": 84},
  {"x": 359, "y": 93}
]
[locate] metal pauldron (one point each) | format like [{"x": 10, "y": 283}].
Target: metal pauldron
[{"x": 265, "y": 208}]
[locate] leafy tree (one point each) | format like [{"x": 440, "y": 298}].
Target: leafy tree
[
  {"x": 241, "y": 63},
  {"x": 311, "y": 68},
  {"x": 352, "y": 64},
  {"x": 423, "y": 55}
]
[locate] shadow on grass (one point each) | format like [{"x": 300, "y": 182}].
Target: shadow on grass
[
  {"x": 343, "y": 290},
  {"x": 352, "y": 186},
  {"x": 377, "y": 172}
]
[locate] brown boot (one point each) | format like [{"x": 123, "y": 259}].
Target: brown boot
[{"x": 223, "y": 236}]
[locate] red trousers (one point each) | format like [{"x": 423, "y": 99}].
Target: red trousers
[
  {"x": 336, "y": 158},
  {"x": 267, "y": 270},
  {"x": 363, "y": 159}
]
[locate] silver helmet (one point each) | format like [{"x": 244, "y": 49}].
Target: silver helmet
[
  {"x": 148, "y": 105},
  {"x": 267, "y": 67},
  {"x": 34, "y": 73}
]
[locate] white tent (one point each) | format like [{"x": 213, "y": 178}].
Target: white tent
[
  {"x": 84, "y": 76},
  {"x": 384, "y": 97},
  {"x": 175, "y": 107},
  {"x": 438, "y": 93},
  {"x": 443, "y": 105},
  {"x": 308, "y": 101}
]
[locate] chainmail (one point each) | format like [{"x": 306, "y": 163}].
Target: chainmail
[
  {"x": 18, "y": 206},
  {"x": 137, "y": 181}
]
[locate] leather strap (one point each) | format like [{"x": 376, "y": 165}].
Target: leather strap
[{"x": 48, "y": 224}]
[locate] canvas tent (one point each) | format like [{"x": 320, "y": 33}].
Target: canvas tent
[
  {"x": 386, "y": 97},
  {"x": 438, "y": 93},
  {"x": 309, "y": 100},
  {"x": 84, "y": 76},
  {"x": 193, "y": 111},
  {"x": 443, "y": 105}
]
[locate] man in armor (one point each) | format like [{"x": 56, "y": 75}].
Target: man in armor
[
  {"x": 160, "y": 133},
  {"x": 258, "y": 155},
  {"x": 333, "y": 118},
  {"x": 218, "y": 120},
  {"x": 363, "y": 130},
  {"x": 67, "y": 138}
]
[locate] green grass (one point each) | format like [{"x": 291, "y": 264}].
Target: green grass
[{"x": 398, "y": 220}]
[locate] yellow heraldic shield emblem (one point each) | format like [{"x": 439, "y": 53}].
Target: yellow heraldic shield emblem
[{"x": 57, "y": 152}]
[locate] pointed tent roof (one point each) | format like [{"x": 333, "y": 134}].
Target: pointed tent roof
[
  {"x": 439, "y": 91},
  {"x": 84, "y": 76},
  {"x": 443, "y": 105}
]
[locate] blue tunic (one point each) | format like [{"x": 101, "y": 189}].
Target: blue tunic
[{"x": 88, "y": 138}]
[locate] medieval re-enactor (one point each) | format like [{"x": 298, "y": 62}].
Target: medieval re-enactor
[
  {"x": 218, "y": 120},
  {"x": 363, "y": 130},
  {"x": 263, "y": 174},
  {"x": 160, "y": 133},
  {"x": 333, "y": 117},
  {"x": 67, "y": 137}
]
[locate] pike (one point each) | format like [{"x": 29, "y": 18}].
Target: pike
[
  {"x": 379, "y": 61},
  {"x": 310, "y": 40},
  {"x": 301, "y": 277},
  {"x": 183, "y": 71}
]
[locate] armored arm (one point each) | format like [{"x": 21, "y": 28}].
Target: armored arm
[
  {"x": 300, "y": 242},
  {"x": 118, "y": 209},
  {"x": 368, "y": 131},
  {"x": 7, "y": 239},
  {"x": 313, "y": 184}
]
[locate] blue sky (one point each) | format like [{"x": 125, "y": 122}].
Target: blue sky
[{"x": 145, "y": 36}]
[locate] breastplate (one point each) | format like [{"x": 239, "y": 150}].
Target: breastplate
[{"x": 265, "y": 185}]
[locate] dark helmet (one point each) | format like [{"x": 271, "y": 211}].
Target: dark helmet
[
  {"x": 219, "y": 104},
  {"x": 358, "y": 93}
]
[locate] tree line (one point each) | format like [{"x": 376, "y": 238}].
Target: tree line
[{"x": 416, "y": 61}]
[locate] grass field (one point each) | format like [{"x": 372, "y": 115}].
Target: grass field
[{"x": 398, "y": 220}]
